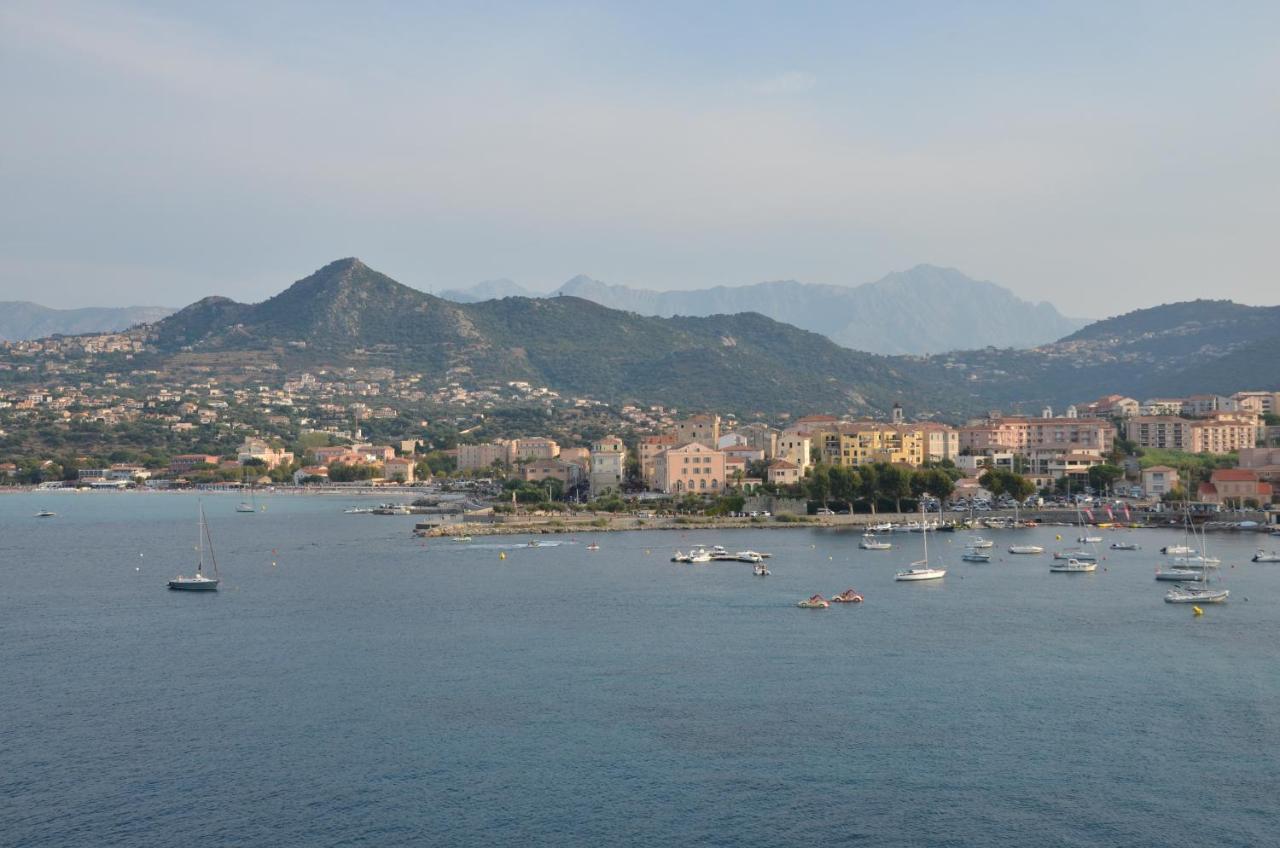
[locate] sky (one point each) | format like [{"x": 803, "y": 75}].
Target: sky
[{"x": 1102, "y": 156}]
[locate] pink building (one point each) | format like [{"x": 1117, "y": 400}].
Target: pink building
[{"x": 691, "y": 468}]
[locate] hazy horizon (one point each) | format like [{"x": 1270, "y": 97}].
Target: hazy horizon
[{"x": 1099, "y": 157}]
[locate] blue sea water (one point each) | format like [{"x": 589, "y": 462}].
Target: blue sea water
[{"x": 350, "y": 685}]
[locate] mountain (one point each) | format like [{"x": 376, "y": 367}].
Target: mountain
[
  {"x": 20, "y": 320},
  {"x": 347, "y": 314},
  {"x": 488, "y": 290},
  {"x": 1169, "y": 350},
  {"x": 924, "y": 310}
]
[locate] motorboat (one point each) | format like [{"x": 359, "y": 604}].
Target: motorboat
[
  {"x": 1180, "y": 575},
  {"x": 391, "y": 509},
  {"x": 977, "y": 542},
  {"x": 1076, "y": 554},
  {"x": 748, "y": 556},
  {"x": 699, "y": 553},
  {"x": 1025, "y": 549},
  {"x": 1265, "y": 556},
  {"x": 848, "y": 596},
  {"x": 358, "y": 510},
  {"x": 245, "y": 506},
  {"x": 680, "y": 556},
  {"x": 1073, "y": 566},
  {"x": 871, "y": 543},
  {"x": 975, "y": 556},
  {"x": 1089, "y": 540},
  {"x": 44, "y": 513},
  {"x": 814, "y": 602},
  {"x": 199, "y": 582},
  {"x": 920, "y": 574},
  {"x": 1177, "y": 550},
  {"x": 1195, "y": 595},
  {"x": 718, "y": 552},
  {"x": 593, "y": 547},
  {"x": 1124, "y": 546},
  {"x": 460, "y": 539},
  {"x": 760, "y": 570},
  {"x": 882, "y": 527}
]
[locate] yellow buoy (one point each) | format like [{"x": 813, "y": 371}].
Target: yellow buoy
[
  {"x": 1058, "y": 537},
  {"x": 1197, "y": 611},
  {"x": 502, "y": 555}
]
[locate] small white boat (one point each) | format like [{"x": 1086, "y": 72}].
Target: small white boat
[
  {"x": 882, "y": 527},
  {"x": 245, "y": 507},
  {"x": 1179, "y": 550},
  {"x": 748, "y": 556},
  {"x": 1075, "y": 554},
  {"x": 44, "y": 513},
  {"x": 1266, "y": 556},
  {"x": 1073, "y": 566},
  {"x": 1195, "y": 595},
  {"x": 975, "y": 556},
  {"x": 358, "y": 510},
  {"x": 1196, "y": 561},
  {"x": 871, "y": 543},
  {"x": 1124, "y": 546},
  {"x": 977, "y": 542},
  {"x": 1025, "y": 549},
  {"x": 760, "y": 570},
  {"x": 699, "y": 553},
  {"x": 593, "y": 547},
  {"x": 1180, "y": 575},
  {"x": 1089, "y": 540},
  {"x": 461, "y": 539},
  {"x": 680, "y": 556},
  {"x": 920, "y": 574}
]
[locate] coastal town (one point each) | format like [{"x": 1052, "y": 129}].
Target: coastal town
[{"x": 532, "y": 444}]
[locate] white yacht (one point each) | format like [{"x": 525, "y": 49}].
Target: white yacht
[
  {"x": 1177, "y": 550},
  {"x": 1076, "y": 554},
  {"x": 1025, "y": 549},
  {"x": 978, "y": 543},
  {"x": 1197, "y": 561},
  {"x": 920, "y": 569},
  {"x": 1073, "y": 566},
  {"x": 1195, "y": 595},
  {"x": 871, "y": 543},
  {"x": 699, "y": 553},
  {"x": 1266, "y": 556}
]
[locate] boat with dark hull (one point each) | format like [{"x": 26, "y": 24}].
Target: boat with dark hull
[{"x": 200, "y": 582}]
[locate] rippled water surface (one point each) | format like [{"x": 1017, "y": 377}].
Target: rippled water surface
[{"x": 353, "y": 686}]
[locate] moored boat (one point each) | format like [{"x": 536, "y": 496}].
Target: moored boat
[
  {"x": 1181, "y": 550},
  {"x": 1124, "y": 546},
  {"x": 1180, "y": 575},
  {"x": 1075, "y": 554},
  {"x": 871, "y": 543},
  {"x": 199, "y": 582},
  {"x": 45, "y": 513},
  {"x": 460, "y": 539},
  {"x": 593, "y": 547},
  {"x": 920, "y": 574},
  {"x": 975, "y": 556},
  {"x": 1025, "y": 549},
  {"x": 1195, "y": 595},
  {"x": 979, "y": 543},
  {"x": 760, "y": 569},
  {"x": 1073, "y": 566},
  {"x": 1266, "y": 556}
]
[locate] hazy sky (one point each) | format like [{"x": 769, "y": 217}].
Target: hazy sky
[{"x": 1103, "y": 156}]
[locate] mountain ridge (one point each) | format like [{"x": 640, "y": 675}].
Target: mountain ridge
[
  {"x": 22, "y": 320},
  {"x": 954, "y": 310}
]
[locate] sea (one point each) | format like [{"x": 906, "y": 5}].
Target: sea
[{"x": 352, "y": 685}]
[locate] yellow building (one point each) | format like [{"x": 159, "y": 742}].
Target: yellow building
[{"x": 864, "y": 443}]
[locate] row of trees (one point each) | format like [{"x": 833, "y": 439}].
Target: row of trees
[{"x": 879, "y": 483}]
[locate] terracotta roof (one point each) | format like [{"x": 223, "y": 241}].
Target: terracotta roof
[{"x": 1234, "y": 475}]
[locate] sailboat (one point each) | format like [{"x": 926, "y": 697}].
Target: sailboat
[
  {"x": 249, "y": 506},
  {"x": 200, "y": 583},
  {"x": 1184, "y": 594},
  {"x": 920, "y": 569}
]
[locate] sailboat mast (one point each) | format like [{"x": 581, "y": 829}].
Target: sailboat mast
[
  {"x": 200, "y": 537},
  {"x": 924, "y": 531}
]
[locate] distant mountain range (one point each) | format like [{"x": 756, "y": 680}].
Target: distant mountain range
[
  {"x": 21, "y": 320},
  {"x": 347, "y": 314},
  {"x": 924, "y": 310}
]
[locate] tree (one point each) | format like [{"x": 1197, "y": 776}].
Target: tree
[
  {"x": 895, "y": 484},
  {"x": 869, "y": 485},
  {"x": 1102, "y": 476},
  {"x": 818, "y": 486}
]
